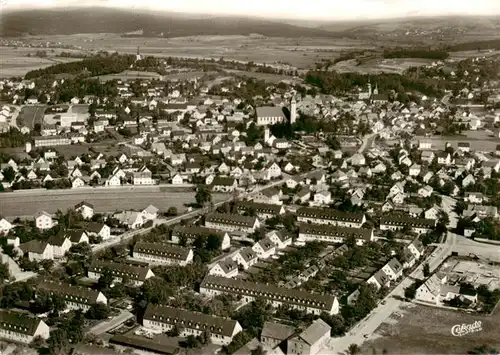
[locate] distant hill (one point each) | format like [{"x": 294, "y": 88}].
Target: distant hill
[
  {"x": 435, "y": 29},
  {"x": 105, "y": 20}
]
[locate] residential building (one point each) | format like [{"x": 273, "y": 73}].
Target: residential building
[
  {"x": 245, "y": 257},
  {"x": 165, "y": 318},
  {"x": 43, "y": 220},
  {"x": 262, "y": 210},
  {"x": 379, "y": 279},
  {"x": 225, "y": 268},
  {"x": 150, "y": 213},
  {"x": 37, "y": 250},
  {"x": 161, "y": 253},
  {"x": 5, "y": 226},
  {"x": 329, "y": 216},
  {"x": 98, "y": 230},
  {"x": 60, "y": 244},
  {"x": 277, "y": 296},
  {"x": 135, "y": 274},
  {"x": 398, "y": 222},
  {"x": 274, "y": 334},
  {"x": 51, "y": 141},
  {"x": 311, "y": 341},
  {"x": 333, "y": 234},
  {"x": 86, "y": 209},
  {"x": 224, "y": 184},
  {"x": 76, "y": 297},
  {"x": 22, "y": 327},
  {"x": 280, "y": 239},
  {"x": 264, "y": 248},
  {"x": 232, "y": 222},
  {"x": 393, "y": 269}
]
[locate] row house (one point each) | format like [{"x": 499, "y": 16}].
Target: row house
[
  {"x": 277, "y": 296},
  {"x": 164, "y": 319},
  {"x": 399, "y": 222},
  {"x": 329, "y": 216},
  {"x": 261, "y": 210},
  {"x": 245, "y": 257},
  {"x": 333, "y": 234},
  {"x": 75, "y": 297},
  {"x": 21, "y": 327},
  {"x": 264, "y": 248},
  {"x": 136, "y": 274},
  {"x": 225, "y": 268},
  {"x": 191, "y": 233},
  {"x": 280, "y": 239},
  {"x": 161, "y": 253},
  {"x": 232, "y": 222}
]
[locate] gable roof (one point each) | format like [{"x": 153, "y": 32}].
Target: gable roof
[{"x": 18, "y": 322}]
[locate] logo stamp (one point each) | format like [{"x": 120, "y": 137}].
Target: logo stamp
[{"x": 459, "y": 330}]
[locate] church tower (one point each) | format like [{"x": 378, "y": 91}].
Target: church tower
[
  {"x": 138, "y": 55},
  {"x": 375, "y": 92},
  {"x": 293, "y": 111},
  {"x": 369, "y": 89}
]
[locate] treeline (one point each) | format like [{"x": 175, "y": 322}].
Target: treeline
[
  {"x": 333, "y": 83},
  {"x": 91, "y": 67},
  {"x": 475, "y": 46},
  {"x": 416, "y": 53}
]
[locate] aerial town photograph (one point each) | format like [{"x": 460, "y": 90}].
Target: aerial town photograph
[{"x": 249, "y": 177}]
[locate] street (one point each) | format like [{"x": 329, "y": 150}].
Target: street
[
  {"x": 391, "y": 303},
  {"x": 104, "y": 326}
]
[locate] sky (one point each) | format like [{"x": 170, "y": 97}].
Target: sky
[{"x": 287, "y": 9}]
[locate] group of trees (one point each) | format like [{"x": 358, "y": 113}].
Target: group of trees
[{"x": 425, "y": 53}]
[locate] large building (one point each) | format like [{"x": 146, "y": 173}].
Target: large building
[
  {"x": 76, "y": 297},
  {"x": 135, "y": 274},
  {"x": 262, "y": 210},
  {"x": 329, "y": 216},
  {"x": 161, "y": 253},
  {"x": 22, "y": 328},
  {"x": 277, "y": 296},
  {"x": 165, "y": 318},
  {"x": 51, "y": 141},
  {"x": 333, "y": 234},
  {"x": 232, "y": 222},
  {"x": 399, "y": 222},
  {"x": 269, "y": 115}
]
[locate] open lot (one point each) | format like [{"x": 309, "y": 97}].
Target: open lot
[
  {"x": 104, "y": 200},
  {"x": 427, "y": 330},
  {"x": 31, "y": 115},
  {"x": 15, "y": 62},
  {"x": 301, "y": 53}
]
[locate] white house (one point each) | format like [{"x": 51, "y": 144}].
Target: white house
[
  {"x": 98, "y": 229},
  {"x": 280, "y": 239},
  {"x": 5, "y": 226},
  {"x": 245, "y": 257},
  {"x": 60, "y": 244},
  {"x": 264, "y": 248},
  {"x": 150, "y": 213},
  {"x": 164, "y": 318},
  {"x": 226, "y": 268},
  {"x": 43, "y": 220},
  {"x": 85, "y": 209},
  {"x": 22, "y": 327},
  {"x": 177, "y": 180},
  {"x": 37, "y": 250}
]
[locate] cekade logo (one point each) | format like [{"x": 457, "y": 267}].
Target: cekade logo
[{"x": 459, "y": 330}]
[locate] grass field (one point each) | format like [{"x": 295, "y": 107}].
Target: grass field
[
  {"x": 15, "y": 62},
  {"x": 31, "y": 115},
  {"x": 427, "y": 330},
  {"x": 301, "y": 53},
  {"x": 104, "y": 200}
]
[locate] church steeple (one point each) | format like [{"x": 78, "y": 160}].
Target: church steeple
[{"x": 375, "y": 92}]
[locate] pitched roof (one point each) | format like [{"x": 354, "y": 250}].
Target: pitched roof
[
  {"x": 71, "y": 293},
  {"x": 334, "y": 231},
  {"x": 315, "y": 331},
  {"x": 272, "y": 292},
  {"x": 233, "y": 219},
  {"x": 405, "y": 220},
  {"x": 34, "y": 246},
  {"x": 276, "y": 331},
  {"x": 18, "y": 322},
  {"x": 259, "y": 207},
  {"x": 325, "y": 213},
  {"x": 269, "y": 111},
  {"x": 161, "y": 249},
  {"x": 119, "y": 269},
  {"x": 191, "y": 320},
  {"x": 192, "y": 232}
]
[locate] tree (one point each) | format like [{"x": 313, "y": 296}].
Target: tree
[
  {"x": 4, "y": 272},
  {"x": 191, "y": 342},
  {"x": 172, "y": 211},
  {"x": 105, "y": 280},
  {"x": 203, "y": 195},
  {"x": 58, "y": 341},
  {"x": 9, "y": 174},
  {"x": 98, "y": 311},
  {"x": 426, "y": 270},
  {"x": 353, "y": 349}
]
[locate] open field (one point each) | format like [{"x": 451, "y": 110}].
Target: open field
[
  {"x": 427, "y": 330},
  {"x": 301, "y": 53},
  {"x": 14, "y": 61},
  {"x": 27, "y": 203},
  {"x": 379, "y": 65},
  {"x": 31, "y": 115}
]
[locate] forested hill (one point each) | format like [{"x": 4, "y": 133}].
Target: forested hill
[{"x": 104, "y": 20}]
